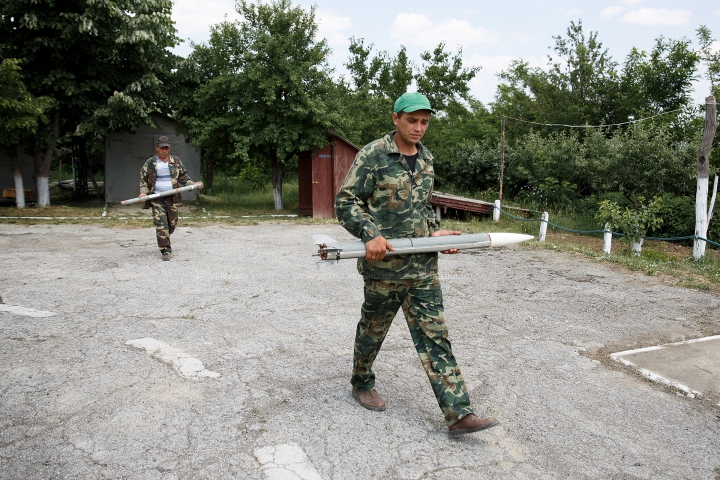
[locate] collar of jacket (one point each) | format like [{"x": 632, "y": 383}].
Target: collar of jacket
[{"x": 392, "y": 148}]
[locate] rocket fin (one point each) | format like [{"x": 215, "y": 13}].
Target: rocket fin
[{"x": 324, "y": 239}]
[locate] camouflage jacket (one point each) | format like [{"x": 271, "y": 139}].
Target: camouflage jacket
[
  {"x": 178, "y": 176},
  {"x": 380, "y": 196}
]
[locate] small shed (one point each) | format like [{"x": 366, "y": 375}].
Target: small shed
[
  {"x": 320, "y": 176},
  {"x": 125, "y": 154}
]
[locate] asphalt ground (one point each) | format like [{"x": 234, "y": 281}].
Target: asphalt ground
[{"x": 233, "y": 360}]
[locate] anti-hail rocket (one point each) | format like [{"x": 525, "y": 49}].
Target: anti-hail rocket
[
  {"x": 163, "y": 194},
  {"x": 333, "y": 251}
]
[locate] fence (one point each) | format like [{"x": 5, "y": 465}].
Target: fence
[{"x": 544, "y": 221}]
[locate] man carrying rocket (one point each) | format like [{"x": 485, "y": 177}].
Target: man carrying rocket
[{"x": 386, "y": 194}]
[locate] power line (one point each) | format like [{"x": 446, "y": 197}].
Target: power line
[{"x": 595, "y": 126}]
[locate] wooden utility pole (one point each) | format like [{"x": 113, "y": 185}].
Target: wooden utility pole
[
  {"x": 502, "y": 156},
  {"x": 703, "y": 166}
]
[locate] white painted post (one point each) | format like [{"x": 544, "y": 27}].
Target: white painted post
[
  {"x": 607, "y": 239},
  {"x": 437, "y": 213},
  {"x": 637, "y": 247},
  {"x": 543, "y": 226},
  {"x": 496, "y": 211}
]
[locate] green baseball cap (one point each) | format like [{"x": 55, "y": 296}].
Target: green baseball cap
[{"x": 412, "y": 102}]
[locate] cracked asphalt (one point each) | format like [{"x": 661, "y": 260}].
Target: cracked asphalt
[{"x": 531, "y": 328}]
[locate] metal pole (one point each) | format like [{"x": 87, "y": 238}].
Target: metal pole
[{"x": 502, "y": 156}]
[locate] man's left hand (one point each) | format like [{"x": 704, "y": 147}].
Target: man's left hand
[{"x": 444, "y": 233}]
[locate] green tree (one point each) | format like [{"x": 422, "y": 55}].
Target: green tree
[
  {"x": 376, "y": 81},
  {"x": 574, "y": 90},
  {"x": 710, "y": 58},
  {"x": 278, "y": 94},
  {"x": 655, "y": 82},
  {"x": 443, "y": 79},
  {"x": 20, "y": 113},
  {"x": 200, "y": 93},
  {"x": 103, "y": 64}
]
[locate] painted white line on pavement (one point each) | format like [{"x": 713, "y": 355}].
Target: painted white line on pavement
[
  {"x": 285, "y": 462},
  {"x": 657, "y": 378},
  {"x": 28, "y": 312},
  {"x": 181, "y": 362}
]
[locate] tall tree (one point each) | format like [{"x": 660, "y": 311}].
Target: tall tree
[
  {"x": 201, "y": 91},
  {"x": 655, "y": 82},
  {"x": 278, "y": 94},
  {"x": 102, "y": 63},
  {"x": 20, "y": 112},
  {"x": 573, "y": 90},
  {"x": 710, "y": 56}
]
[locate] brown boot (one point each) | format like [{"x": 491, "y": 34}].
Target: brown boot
[
  {"x": 471, "y": 423},
  {"x": 370, "y": 400}
]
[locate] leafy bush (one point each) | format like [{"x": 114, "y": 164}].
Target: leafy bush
[{"x": 631, "y": 223}]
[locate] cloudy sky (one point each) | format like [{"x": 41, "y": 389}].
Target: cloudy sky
[{"x": 491, "y": 33}]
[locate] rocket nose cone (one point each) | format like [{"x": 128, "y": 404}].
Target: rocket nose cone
[{"x": 502, "y": 239}]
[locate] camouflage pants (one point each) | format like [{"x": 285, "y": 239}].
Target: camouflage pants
[
  {"x": 421, "y": 301},
  {"x": 165, "y": 218}
]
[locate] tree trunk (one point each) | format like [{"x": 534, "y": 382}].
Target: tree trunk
[
  {"x": 278, "y": 172},
  {"x": 208, "y": 172},
  {"x": 703, "y": 167},
  {"x": 17, "y": 173},
  {"x": 43, "y": 162}
]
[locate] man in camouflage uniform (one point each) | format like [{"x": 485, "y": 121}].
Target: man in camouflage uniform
[
  {"x": 386, "y": 194},
  {"x": 165, "y": 209}
]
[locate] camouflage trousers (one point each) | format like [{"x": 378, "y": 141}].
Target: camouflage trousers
[
  {"x": 165, "y": 218},
  {"x": 421, "y": 301}
]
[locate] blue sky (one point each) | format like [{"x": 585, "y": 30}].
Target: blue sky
[{"x": 491, "y": 33}]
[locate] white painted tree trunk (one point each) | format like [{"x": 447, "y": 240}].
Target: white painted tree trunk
[
  {"x": 637, "y": 247},
  {"x": 496, "y": 211},
  {"x": 277, "y": 197},
  {"x": 703, "y": 168},
  {"x": 438, "y": 215},
  {"x": 19, "y": 192},
  {"x": 543, "y": 226},
  {"x": 607, "y": 239},
  {"x": 43, "y": 191},
  {"x": 701, "y": 222}
]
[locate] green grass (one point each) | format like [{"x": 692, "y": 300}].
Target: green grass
[{"x": 231, "y": 196}]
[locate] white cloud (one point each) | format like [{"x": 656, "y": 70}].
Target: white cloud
[
  {"x": 418, "y": 29},
  {"x": 658, "y": 16},
  {"x": 332, "y": 27},
  {"x": 716, "y": 12},
  {"x": 193, "y": 18},
  {"x": 610, "y": 12}
]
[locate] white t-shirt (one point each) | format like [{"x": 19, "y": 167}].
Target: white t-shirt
[{"x": 163, "y": 183}]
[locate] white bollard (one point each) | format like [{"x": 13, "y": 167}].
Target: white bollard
[
  {"x": 437, "y": 213},
  {"x": 607, "y": 239},
  {"x": 543, "y": 226},
  {"x": 496, "y": 211}
]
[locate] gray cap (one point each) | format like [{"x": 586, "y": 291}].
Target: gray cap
[{"x": 163, "y": 141}]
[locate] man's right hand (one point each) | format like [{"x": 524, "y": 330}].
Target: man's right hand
[
  {"x": 142, "y": 195},
  {"x": 376, "y": 248}
]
